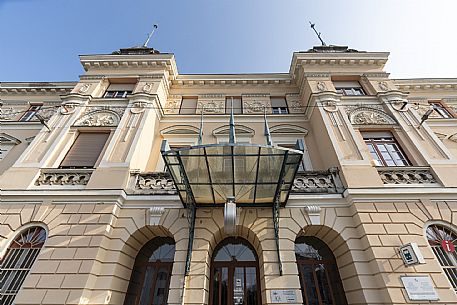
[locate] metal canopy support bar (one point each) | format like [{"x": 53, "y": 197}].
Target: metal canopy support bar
[
  {"x": 276, "y": 209},
  {"x": 190, "y": 213}
]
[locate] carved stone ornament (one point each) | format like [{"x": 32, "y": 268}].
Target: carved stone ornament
[
  {"x": 370, "y": 116},
  {"x": 172, "y": 106},
  {"x": 154, "y": 215},
  {"x": 84, "y": 88},
  {"x": 296, "y": 106},
  {"x": 330, "y": 106},
  {"x": 383, "y": 86},
  {"x": 314, "y": 213},
  {"x": 253, "y": 107},
  {"x": 400, "y": 105},
  {"x": 7, "y": 113},
  {"x": 99, "y": 118},
  {"x": 68, "y": 108},
  {"x": 147, "y": 88},
  {"x": 139, "y": 106},
  {"x": 211, "y": 106},
  {"x": 321, "y": 86}
]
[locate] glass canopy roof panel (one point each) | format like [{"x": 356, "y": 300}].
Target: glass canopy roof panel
[{"x": 253, "y": 174}]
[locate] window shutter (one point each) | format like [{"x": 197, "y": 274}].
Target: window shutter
[
  {"x": 278, "y": 102},
  {"x": 188, "y": 105},
  {"x": 236, "y": 105},
  {"x": 85, "y": 150},
  {"x": 347, "y": 84},
  {"x": 121, "y": 87}
]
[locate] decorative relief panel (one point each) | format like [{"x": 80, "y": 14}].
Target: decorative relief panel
[
  {"x": 294, "y": 103},
  {"x": 213, "y": 103},
  {"x": 8, "y": 113},
  {"x": 373, "y": 115},
  {"x": 172, "y": 105},
  {"x": 100, "y": 116},
  {"x": 256, "y": 103}
]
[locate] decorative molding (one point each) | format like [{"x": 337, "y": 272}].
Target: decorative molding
[
  {"x": 100, "y": 116},
  {"x": 383, "y": 85},
  {"x": 154, "y": 215},
  {"x": 240, "y": 130},
  {"x": 256, "y": 106},
  {"x": 47, "y": 113},
  {"x": 84, "y": 88},
  {"x": 7, "y": 139},
  {"x": 330, "y": 106},
  {"x": 312, "y": 74},
  {"x": 406, "y": 175},
  {"x": 210, "y": 96},
  {"x": 314, "y": 213},
  {"x": 321, "y": 86},
  {"x": 67, "y": 177},
  {"x": 68, "y": 107},
  {"x": 180, "y": 130},
  {"x": 373, "y": 115},
  {"x": 288, "y": 129},
  {"x": 147, "y": 87},
  {"x": 256, "y": 95},
  {"x": 453, "y": 137},
  {"x": 376, "y": 75}
]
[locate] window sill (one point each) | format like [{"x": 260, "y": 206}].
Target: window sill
[{"x": 406, "y": 175}]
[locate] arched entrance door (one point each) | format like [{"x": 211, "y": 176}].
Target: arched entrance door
[
  {"x": 234, "y": 274},
  {"x": 319, "y": 277}
]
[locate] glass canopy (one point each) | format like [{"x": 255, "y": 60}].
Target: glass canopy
[{"x": 252, "y": 174}]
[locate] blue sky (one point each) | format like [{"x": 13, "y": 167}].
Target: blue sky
[{"x": 41, "y": 39}]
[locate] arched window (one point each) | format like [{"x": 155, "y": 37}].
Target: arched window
[
  {"x": 443, "y": 240},
  {"x": 319, "y": 277},
  {"x": 18, "y": 260},
  {"x": 151, "y": 273},
  {"x": 234, "y": 274}
]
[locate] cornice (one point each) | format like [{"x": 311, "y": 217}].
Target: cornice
[
  {"x": 426, "y": 84},
  {"x": 155, "y": 61},
  {"x": 57, "y": 88},
  {"x": 243, "y": 81}
]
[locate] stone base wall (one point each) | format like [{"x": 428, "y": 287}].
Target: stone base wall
[{"x": 91, "y": 249}]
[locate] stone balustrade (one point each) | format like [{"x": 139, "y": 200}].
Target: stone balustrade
[
  {"x": 66, "y": 177},
  {"x": 161, "y": 183},
  {"x": 317, "y": 182},
  {"x": 406, "y": 175}
]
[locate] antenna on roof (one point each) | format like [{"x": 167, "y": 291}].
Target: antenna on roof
[
  {"x": 145, "y": 44},
  {"x": 317, "y": 33}
]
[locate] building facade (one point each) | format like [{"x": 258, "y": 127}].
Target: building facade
[{"x": 90, "y": 214}]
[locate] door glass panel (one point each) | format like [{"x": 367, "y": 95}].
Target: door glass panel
[
  {"x": 251, "y": 285},
  {"x": 324, "y": 287},
  {"x": 310, "y": 284},
  {"x": 146, "y": 289},
  {"x": 238, "y": 286},
  {"x": 160, "y": 290},
  {"x": 224, "y": 286}
]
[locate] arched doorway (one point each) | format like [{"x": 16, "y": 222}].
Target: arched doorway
[
  {"x": 319, "y": 277},
  {"x": 150, "y": 280},
  {"x": 234, "y": 274}
]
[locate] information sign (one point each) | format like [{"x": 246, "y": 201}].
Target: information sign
[
  {"x": 283, "y": 296},
  {"x": 419, "y": 288},
  {"x": 448, "y": 245}
]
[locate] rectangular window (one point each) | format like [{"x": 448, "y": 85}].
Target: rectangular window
[
  {"x": 86, "y": 150},
  {"x": 279, "y": 105},
  {"x": 348, "y": 88},
  {"x": 119, "y": 90},
  {"x": 237, "y": 104},
  {"x": 384, "y": 149},
  {"x": 441, "y": 110},
  {"x": 31, "y": 112},
  {"x": 188, "y": 105}
]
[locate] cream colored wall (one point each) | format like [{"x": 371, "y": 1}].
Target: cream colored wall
[{"x": 91, "y": 248}]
